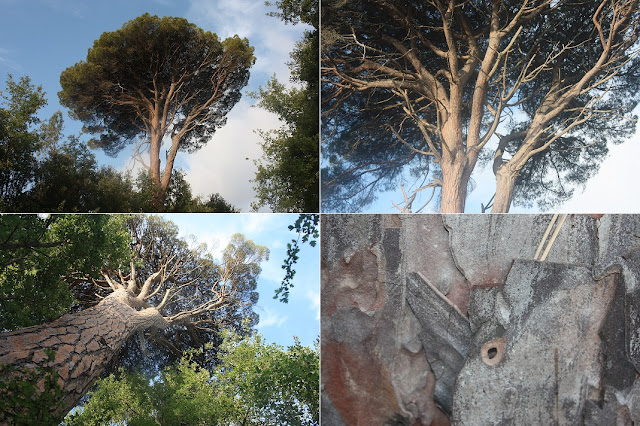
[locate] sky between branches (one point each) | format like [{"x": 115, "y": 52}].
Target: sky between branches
[{"x": 279, "y": 322}]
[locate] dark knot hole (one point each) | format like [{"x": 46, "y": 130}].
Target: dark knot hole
[{"x": 492, "y": 352}]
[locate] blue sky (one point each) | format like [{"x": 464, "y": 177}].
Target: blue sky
[
  {"x": 279, "y": 322},
  {"x": 41, "y": 38}
]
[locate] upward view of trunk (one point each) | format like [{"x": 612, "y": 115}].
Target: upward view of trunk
[{"x": 84, "y": 343}]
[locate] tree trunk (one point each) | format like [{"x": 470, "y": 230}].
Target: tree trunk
[
  {"x": 84, "y": 343},
  {"x": 159, "y": 194},
  {"x": 455, "y": 180},
  {"x": 505, "y": 183}
]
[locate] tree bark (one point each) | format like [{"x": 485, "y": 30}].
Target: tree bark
[
  {"x": 505, "y": 183},
  {"x": 455, "y": 179},
  {"x": 154, "y": 170},
  {"x": 84, "y": 343}
]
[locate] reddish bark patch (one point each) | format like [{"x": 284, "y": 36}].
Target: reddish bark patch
[
  {"x": 358, "y": 384},
  {"x": 459, "y": 295},
  {"x": 354, "y": 284}
]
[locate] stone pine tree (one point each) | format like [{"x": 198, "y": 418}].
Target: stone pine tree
[
  {"x": 435, "y": 88},
  {"x": 185, "y": 286},
  {"x": 152, "y": 79}
]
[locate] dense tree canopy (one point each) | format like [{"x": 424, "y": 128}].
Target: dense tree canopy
[
  {"x": 155, "y": 239},
  {"x": 428, "y": 90},
  {"x": 254, "y": 383},
  {"x": 41, "y": 258},
  {"x": 288, "y": 174},
  {"x": 152, "y": 78},
  {"x": 41, "y": 171}
]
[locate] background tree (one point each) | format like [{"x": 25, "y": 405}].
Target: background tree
[
  {"x": 153, "y": 236},
  {"x": 287, "y": 179},
  {"x": 18, "y": 141},
  {"x": 421, "y": 88},
  {"x": 165, "y": 284},
  {"x": 254, "y": 383},
  {"x": 152, "y": 78}
]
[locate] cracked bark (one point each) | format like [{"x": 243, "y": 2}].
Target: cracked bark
[{"x": 84, "y": 343}]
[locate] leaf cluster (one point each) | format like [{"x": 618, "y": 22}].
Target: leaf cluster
[
  {"x": 306, "y": 226},
  {"x": 254, "y": 383},
  {"x": 42, "y": 258}
]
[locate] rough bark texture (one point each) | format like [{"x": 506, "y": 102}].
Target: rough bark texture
[
  {"x": 84, "y": 343},
  {"x": 436, "y": 319}
]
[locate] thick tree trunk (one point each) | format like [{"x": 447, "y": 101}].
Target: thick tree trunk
[
  {"x": 84, "y": 343},
  {"x": 505, "y": 183},
  {"x": 154, "y": 172},
  {"x": 455, "y": 180},
  {"x": 454, "y": 189}
]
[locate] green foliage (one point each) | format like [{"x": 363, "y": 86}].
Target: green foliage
[
  {"x": 41, "y": 258},
  {"x": 269, "y": 385},
  {"x": 287, "y": 176},
  {"x": 255, "y": 383},
  {"x": 19, "y": 141},
  {"x": 116, "y": 400},
  {"x": 21, "y": 401},
  {"x": 307, "y": 228}
]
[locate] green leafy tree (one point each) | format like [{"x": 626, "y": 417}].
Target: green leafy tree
[
  {"x": 216, "y": 204},
  {"x": 255, "y": 383},
  {"x": 19, "y": 140},
  {"x": 42, "y": 258},
  {"x": 154, "y": 239},
  {"x": 287, "y": 179},
  {"x": 152, "y": 78},
  {"x": 426, "y": 91}
]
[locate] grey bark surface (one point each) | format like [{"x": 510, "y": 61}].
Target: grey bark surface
[{"x": 441, "y": 319}]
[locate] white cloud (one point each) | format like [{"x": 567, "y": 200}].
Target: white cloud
[
  {"x": 270, "y": 318},
  {"x": 314, "y": 298},
  {"x": 272, "y": 270},
  {"x": 254, "y": 223},
  {"x": 225, "y": 165},
  {"x": 272, "y": 39}
]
